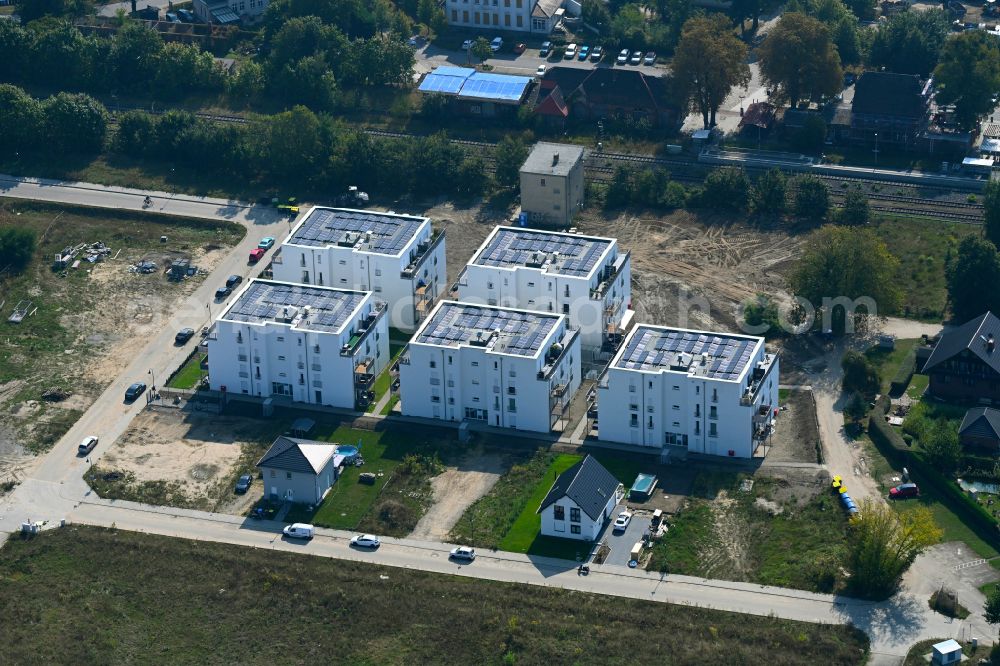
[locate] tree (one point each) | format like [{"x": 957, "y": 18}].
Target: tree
[
  {"x": 856, "y": 408},
  {"x": 727, "y": 187},
  {"x": 481, "y": 49},
  {"x": 295, "y": 144},
  {"x": 595, "y": 13},
  {"x": 708, "y": 62},
  {"x": 307, "y": 81},
  {"x": 17, "y": 246},
  {"x": 968, "y": 74},
  {"x": 849, "y": 263},
  {"x": 910, "y": 42},
  {"x": 810, "y": 137},
  {"x": 762, "y": 314},
  {"x": 15, "y": 43},
  {"x": 991, "y": 609},
  {"x": 74, "y": 123},
  {"x": 741, "y": 10},
  {"x": 183, "y": 68},
  {"x": 509, "y": 154},
  {"x": 770, "y": 192},
  {"x": 883, "y": 544},
  {"x": 974, "y": 278},
  {"x": 860, "y": 374},
  {"x": 856, "y": 209},
  {"x": 812, "y": 198},
  {"x": 471, "y": 178},
  {"x": 863, "y": 9},
  {"x": 991, "y": 211},
  {"x": 21, "y": 120},
  {"x": 136, "y": 133},
  {"x": 135, "y": 53},
  {"x": 798, "y": 59},
  {"x": 620, "y": 189},
  {"x": 29, "y": 10},
  {"x": 941, "y": 446}
]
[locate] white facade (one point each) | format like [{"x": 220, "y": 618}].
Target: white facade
[
  {"x": 227, "y": 11},
  {"x": 584, "y": 278},
  {"x": 704, "y": 392},
  {"x": 503, "y": 367},
  {"x": 552, "y": 184},
  {"x": 566, "y": 527},
  {"x": 534, "y": 16},
  {"x": 316, "y": 345},
  {"x": 397, "y": 257}
]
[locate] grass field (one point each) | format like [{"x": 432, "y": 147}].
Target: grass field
[
  {"x": 381, "y": 383},
  {"x": 888, "y": 362},
  {"x": 917, "y": 386},
  {"x": 915, "y": 657},
  {"x": 207, "y": 603},
  {"x": 523, "y": 534},
  {"x": 189, "y": 374}
]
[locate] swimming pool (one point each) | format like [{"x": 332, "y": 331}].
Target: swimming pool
[
  {"x": 347, "y": 450},
  {"x": 643, "y": 487}
]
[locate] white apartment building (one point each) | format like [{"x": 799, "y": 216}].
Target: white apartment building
[
  {"x": 312, "y": 344},
  {"x": 702, "y": 392},
  {"x": 584, "y": 278},
  {"x": 534, "y": 16},
  {"x": 552, "y": 184},
  {"x": 399, "y": 258},
  {"x": 503, "y": 367}
]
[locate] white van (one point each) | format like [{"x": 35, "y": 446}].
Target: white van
[{"x": 299, "y": 531}]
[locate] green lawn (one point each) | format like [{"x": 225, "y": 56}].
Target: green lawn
[
  {"x": 524, "y": 531},
  {"x": 888, "y": 362},
  {"x": 917, "y": 386},
  {"x": 198, "y": 602},
  {"x": 189, "y": 374},
  {"x": 393, "y": 399},
  {"x": 783, "y": 395},
  {"x": 382, "y": 382}
]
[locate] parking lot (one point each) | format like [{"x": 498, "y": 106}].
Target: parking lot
[{"x": 621, "y": 543}]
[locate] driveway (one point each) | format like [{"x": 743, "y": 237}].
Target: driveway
[{"x": 621, "y": 544}]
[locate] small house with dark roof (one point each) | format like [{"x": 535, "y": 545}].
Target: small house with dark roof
[
  {"x": 582, "y": 499},
  {"x": 757, "y": 119},
  {"x": 896, "y": 106},
  {"x": 602, "y": 92},
  {"x": 980, "y": 430},
  {"x": 965, "y": 363},
  {"x": 299, "y": 470}
]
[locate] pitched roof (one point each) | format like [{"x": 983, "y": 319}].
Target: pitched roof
[
  {"x": 567, "y": 78},
  {"x": 974, "y": 336},
  {"x": 587, "y": 483},
  {"x": 981, "y": 422},
  {"x": 545, "y": 8},
  {"x": 619, "y": 87},
  {"x": 889, "y": 94},
  {"x": 758, "y": 114},
  {"x": 297, "y": 455},
  {"x": 551, "y": 102}
]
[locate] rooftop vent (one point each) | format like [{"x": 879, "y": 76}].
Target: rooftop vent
[{"x": 555, "y": 159}]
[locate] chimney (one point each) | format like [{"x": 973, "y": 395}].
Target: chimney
[{"x": 555, "y": 159}]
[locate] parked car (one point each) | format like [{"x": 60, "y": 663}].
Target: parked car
[
  {"x": 636, "y": 57},
  {"x": 622, "y": 57},
  {"x": 584, "y": 52},
  {"x": 596, "y": 53},
  {"x": 233, "y": 280},
  {"x": 184, "y": 335},
  {"x": 519, "y": 49},
  {"x": 266, "y": 243},
  {"x": 650, "y": 58},
  {"x": 186, "y": 15},
  {"x": 299, "y": 531},
  {"x": 365, "y": 541},
  {"x": 256, "y": 255},
  {"x": 545, "y": 50},
  {"x": 496, "y": 44},
  {"x": 570, "y": 52},
  {"x": 540, "y": 71},
  {"x": 222, "y": 292},
  {"x": 173, "y": 18},
  {"x": 463, "y": 553},
  {"x": 904, "y": 490},
  {"x": 134, "y": 391},
  {"x": 243, "y": 484},
  {"x": 622, "y": 521},
  {"x": 466, "y": 45},
  {"x": 87, "y": 445}
]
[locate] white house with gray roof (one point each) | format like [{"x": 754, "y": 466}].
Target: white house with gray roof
[
  {"x": 302, "y": 343},
  {"x": 582, "y": 499},
  {"x": 299, "y": 470},
  {"x": 499, "y": 366},
  {"x": 400, "y": 258},
  {"x": 680, "y": 390},
  {"x": 585, "y": 278}
]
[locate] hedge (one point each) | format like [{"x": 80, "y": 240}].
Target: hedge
[{"x": 904, "y": 374}]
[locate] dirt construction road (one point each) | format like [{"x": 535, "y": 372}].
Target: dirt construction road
[{"x": 455, "y": 490}]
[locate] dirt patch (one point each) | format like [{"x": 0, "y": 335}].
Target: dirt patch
[
  {"x": 796, "y": 435},
  {"x": 729, "y": 547},
  {"x": 455, "y": 490}
]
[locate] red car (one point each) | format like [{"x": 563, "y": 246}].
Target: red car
[
  {"x": 256, "y": 255},
  {"x": 519, "y": 49},
  {"x": 903, "y": 491}
]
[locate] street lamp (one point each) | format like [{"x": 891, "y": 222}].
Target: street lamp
[{"x": 876, "y": 148}]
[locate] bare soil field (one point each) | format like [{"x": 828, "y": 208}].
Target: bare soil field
[
  {"x": 796, "y": 436},
  {"x": 188, "y": 458},
  {"x": 86, "y": 322}
]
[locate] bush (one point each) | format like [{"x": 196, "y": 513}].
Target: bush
[
  {"x": 727, "y": 187},
  {"x": 17, "y": 246},
  {"x": 860, "y": 374}
]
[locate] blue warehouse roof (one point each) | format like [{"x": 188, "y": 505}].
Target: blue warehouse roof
[{"x": 467, "y": 83}]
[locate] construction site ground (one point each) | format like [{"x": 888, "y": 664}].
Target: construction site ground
[{"x": 85, "y": 323}]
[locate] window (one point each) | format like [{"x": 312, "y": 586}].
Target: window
[
  {"x": 677, "y": 388},
  {"x": 273, "y": 474},
  {"x": 433, "y": 363},
  {"x": 475, "y": 364},
  {"x": 631, "y": 388},
  {"x": 281, "y": 358},
  {"x": 634, "y": 407},
  {"x": 574, "y": 515},
  {"x": 713, "y": 412},
  {"x": 677, "y": 407},
  {"x": 511, "y": 405},
  {"x": 378, "y": 272},
  {"x": 649, "y": 408},
  {"x": 677, "y": 424},
  {"x": 281, "y": 338},
  {"x": 454, "y": 15},
  {"x": 475, "y": 381},
  {"x": 511, "y": 390},
  {"x": 543, "y": 182},
  {"x": 559, "y": 512},
  {"x": 634, "y": 421},
  {"x": 435, "y": 398},
  {"x": 435, "y": 381},
  {"x": 574, "y": 529},
  {"x": 650, "y": 426},
  {"x": 506, "y": 17},
  {"x": 697, "y": 411},
  {"x": 489, "y": 285},
  {"x": 715, "y": 395},
  {"x": 288, "y": 475},
  {"x": 555, "y": 190},
  {"x": 343, "y": 262},
  {"x": 697, "y": 427},
  {"x": 712, "y": 431}
]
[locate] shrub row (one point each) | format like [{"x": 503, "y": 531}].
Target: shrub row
[{"x": 904, "y": 374}]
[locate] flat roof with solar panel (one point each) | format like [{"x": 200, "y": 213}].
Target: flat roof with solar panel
[
  {"x": 722, "y": 356},
  {"x": 303, "y": 307},
  {"x": 466, "y": 83},
  {"x": 366, "y": 231},
  {"x": 500, "y": 330},
  {"x": 552, "y": 252}
]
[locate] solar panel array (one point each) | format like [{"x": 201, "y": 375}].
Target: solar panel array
[
  {"x": 519, "y": 332},
  {"x": 578, "y": 255},
  {"x": 657, "y": 349},
  {"x": 328, "y": 226},
  {"x": 329, "y": 309},
  {"x": 470, "y": 84}
]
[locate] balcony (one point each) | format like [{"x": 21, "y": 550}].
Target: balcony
[
  {"x": 364, "y": 327},
  {"x": 555, "y": 354},
  {"x": 364, "y": 373},
  {"x": 424, "y": 250},
  {"x": 758, "y": 375},
  {"x": 609, "y": 275}
]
